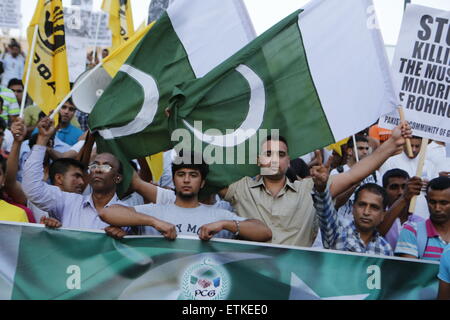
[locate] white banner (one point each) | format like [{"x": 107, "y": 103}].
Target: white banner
[
  {"x": 10, "y": 14},
  {"x": 99, "y": 34},
  {"x": 77, "y": 35},
  {"x": 421, "y": 69},
  {"x": 86, "y": 24},
  {"x": 84, "y": 4},
  {"x": 82, "y": 30}
]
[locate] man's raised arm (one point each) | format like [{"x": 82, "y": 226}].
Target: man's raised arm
[{"x": 393, "y": 146}]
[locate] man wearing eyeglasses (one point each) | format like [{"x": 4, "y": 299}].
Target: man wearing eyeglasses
[{"x": 71, "y": 210}]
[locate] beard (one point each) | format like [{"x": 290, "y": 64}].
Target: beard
[{"x": 186, "y": 196}]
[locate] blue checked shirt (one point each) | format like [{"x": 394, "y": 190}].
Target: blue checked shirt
[
  {"x": 344, "y": 237},
  {"x": 82, "y": 120}
]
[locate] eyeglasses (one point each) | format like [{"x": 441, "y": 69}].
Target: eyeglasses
[
  {"x": 105, "y": 168},
  {"x": 18, "y": 90}
]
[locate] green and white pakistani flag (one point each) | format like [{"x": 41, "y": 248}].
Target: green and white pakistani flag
[
  {"x": 38, "y": 263},
  {"x": 190, "y": 39},
  {"x": 318, "y": 76}
]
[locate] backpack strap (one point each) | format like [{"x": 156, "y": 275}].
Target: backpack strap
[{"x": 422, "y": 238}]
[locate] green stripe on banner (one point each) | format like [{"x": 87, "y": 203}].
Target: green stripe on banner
[{"x": 64, "y": 264}]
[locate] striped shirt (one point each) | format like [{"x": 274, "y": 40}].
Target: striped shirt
[
  {"x": 444, "y": 267},
  {"x": 408, "y": 244},
  {"x": 341, "y": 236},
  {"x": 10, "y": 105}
]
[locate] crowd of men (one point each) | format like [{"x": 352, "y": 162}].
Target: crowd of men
[{"x": 354, "y": 199}]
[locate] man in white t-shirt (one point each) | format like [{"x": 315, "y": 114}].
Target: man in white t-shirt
[
  {"x": 409, "y": 164},
  {"x": 186, "y": 216},
  {"x": 13, "y": 63}
]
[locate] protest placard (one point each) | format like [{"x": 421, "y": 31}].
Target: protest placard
[
  {"x": 421, "y": 70},
  {"x": 10, "y": 14}
]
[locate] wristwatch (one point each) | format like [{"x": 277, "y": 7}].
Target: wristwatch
[{"x": 237, "y": 226}]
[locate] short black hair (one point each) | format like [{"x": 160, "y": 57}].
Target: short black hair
[
  {"x": 190, "y": 160},
  {"x": 394, "y": 173},
  {"x": 14, "y": 82},
  {"x": 70, "y": 101},
  {"x": 298, "y": 167},
  {"x": 373, "y": 188},
  {"x": 358, "y": 138},
  {"x": 3, "y": 124},
  {"x": 62, "y": 165},
  {"x": 13, "y": 44},
  {"x": 41, "y": 115},
  {"x": 439, "y": 183}
]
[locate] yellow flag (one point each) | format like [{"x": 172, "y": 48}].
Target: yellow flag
[
  {"x": 156, "y": 165},
  {"x": 117, "y": 58},
  {"x": 49, "y": 74},
  {"x": 337, "y": 146},
  {"x": 120, "y": 20}
]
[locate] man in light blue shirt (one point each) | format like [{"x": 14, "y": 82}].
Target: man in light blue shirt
[{"x": 72, "y": 210}]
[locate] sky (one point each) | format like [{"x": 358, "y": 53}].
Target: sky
[{"x": 265, "y": 13}]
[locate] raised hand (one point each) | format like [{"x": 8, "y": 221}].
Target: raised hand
[
  {"x": 400, "y": 133},
  {"x": 320, "y": 174},
  {"x": 19, "y": 130},
  {"x": 413, "y": 187},
  {"x": 46, "y": 127}
]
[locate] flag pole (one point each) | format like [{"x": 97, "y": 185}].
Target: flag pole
[
  {"x": 408, "y": 141},
  {"x": 355, "y": 148},
  {"x": 52, "y": 116},
  {"x": 96, "y": 37},
  {"x": 27, "y": 78},
  {"x": 419, "y": 171}
]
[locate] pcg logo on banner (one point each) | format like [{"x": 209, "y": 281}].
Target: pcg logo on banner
[{"x": 205, "y": 281}]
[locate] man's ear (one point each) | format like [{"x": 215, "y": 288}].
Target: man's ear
[
  {"x": 118, "y": 179},
  {"x": 59, "y": 178},
  {"x": 202, "y": 184}
]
